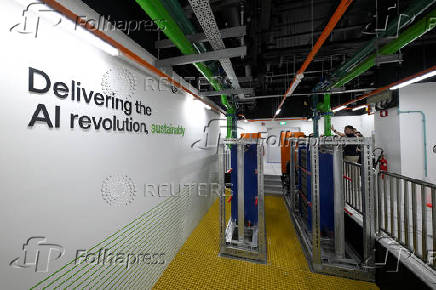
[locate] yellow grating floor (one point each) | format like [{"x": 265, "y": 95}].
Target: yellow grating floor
[{"x": 197, "y": 265}]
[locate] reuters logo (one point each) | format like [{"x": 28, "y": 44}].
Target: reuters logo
[
  {"x": 118, "y": 190},
  {"x": 119, "y": 82}
]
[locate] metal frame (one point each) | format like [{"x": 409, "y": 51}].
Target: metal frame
[
  {"x": 221, "y": 54},
  {"x": 242, "y": 249},
  {"x": 237, "y": 31},
  {"x": 244, "y": 91},
  {"x": 339, "y": 265}
]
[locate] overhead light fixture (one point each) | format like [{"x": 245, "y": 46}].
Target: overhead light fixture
[
  {"x": 339, "y": 108},
  {"x": 414, "y": 80},
  {"x": 359, "y": 108}
]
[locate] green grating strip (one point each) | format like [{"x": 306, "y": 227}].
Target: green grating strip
[{"x": 159, "y": 231}]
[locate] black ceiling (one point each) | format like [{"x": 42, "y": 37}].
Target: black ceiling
[{"x": 280, "y": 34}]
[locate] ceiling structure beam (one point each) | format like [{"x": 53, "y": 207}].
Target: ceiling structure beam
[
  {"x": 237, "y": 31},
  {"x": 207, "y": 56},
  {"x": 312, "y": 93},
  {"x": 249, "y": 91}
]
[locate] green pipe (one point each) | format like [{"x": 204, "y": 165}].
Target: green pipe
[
  {"x": 393, "y": 28},
  {"x": 168, "y": 25},
  {"x": 328, "y": 116},
  {"x": 421, "y": 27},
  {"x": 326, "y": 109},
  {"x": 424, "y": 128}
]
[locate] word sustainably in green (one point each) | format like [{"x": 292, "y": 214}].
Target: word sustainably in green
[{"x": 167, "y": 129}]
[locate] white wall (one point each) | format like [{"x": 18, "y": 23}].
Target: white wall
[
  {"x": 364, "y": 123},
  {"x": 51, "y": 180},
  {"x": 418, "y": 97},
  {"x": 387, "y": 137}
]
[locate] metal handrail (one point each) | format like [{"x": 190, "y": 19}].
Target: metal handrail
[
  {"x": 352, "y": 185},
  {"x": 418, "y": 181}
]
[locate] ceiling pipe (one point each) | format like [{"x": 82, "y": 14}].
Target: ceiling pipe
[
  {"x": 157, "y": 12},
  {"x": 415, "y": 31},
  {"x": 385, "y": 88},
  {"x": 311, "y": 94},
  {"x": 343, "y": 6},
  {"x": 392, "y": 30},
  {"x": 56, "y": 6}
]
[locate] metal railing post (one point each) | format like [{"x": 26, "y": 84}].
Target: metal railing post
[
  {"x": 424, "y": 222},
  {"x": 338, "y": 176},
  {"x": 316, "y": 232},
  {"x": 406, "y": 213},
  {"x": 368, "y": 208}
]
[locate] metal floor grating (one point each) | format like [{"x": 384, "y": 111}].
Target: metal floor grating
[{"x": 197, "y": 265}]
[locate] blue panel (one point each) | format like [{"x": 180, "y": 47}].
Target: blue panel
[
  {"x": 250, "y": 183},
  {"x": 326, "y": 193},
  {"x": 326, "y": 189}
]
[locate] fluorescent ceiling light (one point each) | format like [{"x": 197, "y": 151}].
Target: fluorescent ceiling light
[
  {"x": 339, "y": 108},
  {"x": 359, "y": 108},
  {"x": 414, "y": 80}
]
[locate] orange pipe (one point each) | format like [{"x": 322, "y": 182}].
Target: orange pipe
[
  {"x": 343, "y": 6},
  {"x": 127, "y": 52},
  {"x": 385, "y": 88}
]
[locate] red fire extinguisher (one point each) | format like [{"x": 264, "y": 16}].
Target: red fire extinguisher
[{"x": 383, "y": 165}]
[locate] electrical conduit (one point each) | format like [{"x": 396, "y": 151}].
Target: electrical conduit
[
  {"x": 393, "y": 28},
  {"x": 411, "y": 34},
  {"x": 424, "y": 129}
]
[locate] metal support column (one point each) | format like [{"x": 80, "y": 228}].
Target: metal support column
[
  {"x": 368, "y": 207},
  {"x": 241, "y": 212},
  {"x": 222, "y": 190},
  {"x": 291, "y": 198},
  {"x": 316, "y": 233},
  {"x": 338, "y": 175},
  {"x": 261, "y": 235}
]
